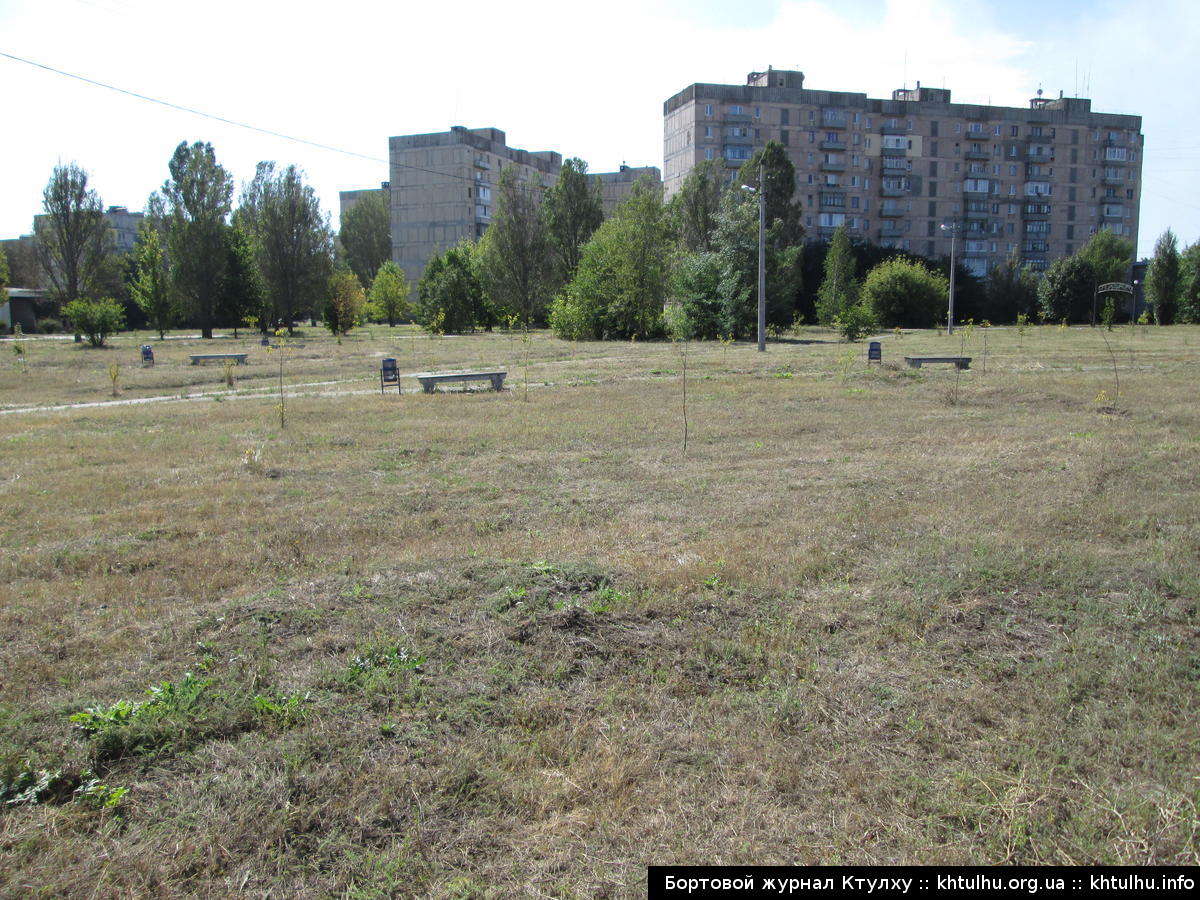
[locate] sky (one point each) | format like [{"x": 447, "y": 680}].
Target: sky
[{"x": 587, "y": 81}]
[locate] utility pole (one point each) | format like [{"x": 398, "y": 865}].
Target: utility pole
[
  {"x": 762, "y": 263},
  {"x": 951, "y": 227},
  {"x": 762, "y": 259}
]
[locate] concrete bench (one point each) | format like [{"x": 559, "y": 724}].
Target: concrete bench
[
  {"x": 197, "y": 358},
  {"x": 961, "y": 362},
  {"x": 429, "y": 380}
]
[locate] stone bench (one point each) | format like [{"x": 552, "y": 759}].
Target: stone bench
[
  {"x": 961, "y": 362},
  {"x": 197, "y": 358},
  {"x": 429, "y": 380}
]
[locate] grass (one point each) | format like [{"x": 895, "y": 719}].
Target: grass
[{"x": 465, "y": 646}]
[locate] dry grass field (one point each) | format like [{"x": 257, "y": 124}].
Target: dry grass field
[{"x": 480, "y": 645}]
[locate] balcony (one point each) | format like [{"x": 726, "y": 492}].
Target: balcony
[
  {"x": 833, "y": 122},
  {"x": 837, "y": 146},
  {"x": 891, "y": 230},
  {"x": 981, "y": 213},
  {"x": 885, "y": 191},
  {"x": 1115, "y": 161},
  {"x": 1035, "y": 211},
  {"x": 1113, "y": 180},
  {"x": 833, "y": 167},
  {"x": 1040, "y": 139},
  {"x": 893, "y": 212},
  {"x": 975, "y": 191},
  {"x": 481, "y": 163},
  {"x": 977, "y": 154},
  {"x": 893, "y": 129},
  {"x": 1111, "y": 212},
  {"x": 894, "y": 151}
]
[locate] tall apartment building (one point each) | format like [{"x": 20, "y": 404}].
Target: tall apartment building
[
  {"x": 442, "y": 188},
  {"x": 1039, "y": 181}
]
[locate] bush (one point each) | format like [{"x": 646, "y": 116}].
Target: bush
[
  {"x": 906, "y": 294},
  {"x": 95, "y": 319},
  {"x": 855, "y": 322},
  {"x": 49, "y": 326}
]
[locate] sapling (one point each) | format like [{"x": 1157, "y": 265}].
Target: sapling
[
  {"x": 114, "y": 374},
  {"x": 677, "y": 329}
]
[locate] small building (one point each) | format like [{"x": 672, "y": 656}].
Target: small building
[{"x": 20, "y": 308}]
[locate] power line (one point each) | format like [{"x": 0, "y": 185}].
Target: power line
[{"x": 227, "y": 121}]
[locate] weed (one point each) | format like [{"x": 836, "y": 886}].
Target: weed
[
  {"x": 282, "y": 709},
  {"x": 114, "y": 375}
]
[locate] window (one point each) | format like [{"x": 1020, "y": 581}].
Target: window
[
  {"x": 708, "y": 132},
  {"x": 1035, "y": 131},
  {"x": 1037, "y": 189},
  {"x": 831, "y": 220},
  {"x": 737, "y": 151},
  {"x": 758, "y": 112},
  {"x": 978, "y": 185},
  {"x": 708, "y": 109},
  {"x": 736, "y": 111},
  {"x": 710, "y": 153},
  {"x": 1015, "y": 131}
]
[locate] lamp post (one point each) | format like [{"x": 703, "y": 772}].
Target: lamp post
[
  {"x": 951, "y": 227},
  {"x": 762, "y": 259}
]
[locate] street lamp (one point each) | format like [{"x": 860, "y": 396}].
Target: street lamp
[
  {"x": 762, "y": 259},
  {"x": 951, "y": 227}
]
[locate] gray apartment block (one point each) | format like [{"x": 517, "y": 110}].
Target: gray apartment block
[
  {"x": 1039, "y": 181},
  {"x": 443, "y": 186}
]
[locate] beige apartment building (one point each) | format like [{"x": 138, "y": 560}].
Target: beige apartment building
[
  {"x": 443, "y": 186},
  {"x": 1039, "y": 181}
]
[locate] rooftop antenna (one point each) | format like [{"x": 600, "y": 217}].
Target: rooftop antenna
[{"x": 905, "y": 72}]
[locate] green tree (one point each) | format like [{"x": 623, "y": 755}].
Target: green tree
[
  {"x": 838, "y": 290},
  {"x": 1163, "y": 280},
  {"x": 151, "y": 283},
  {"x": 195, "y": 203},
  {"x": 1067, "y": 290},
  {"x": 903, "y": 293},
  {"x": 292, "y": 238},
  {"x": 72, "y": 238},
  {"x": 693, "y": 209},
  {"x": 779, "y": 187},
  {"x": 1109, "y": 255},
  {"x": 736, "y": 241},
  {"x": 345, "y": 304},
  {"x": 366, "y": 235},
  {"x": 573, "y": 209},
  {"x": 695, "y": 288},
  {"x": 3, "y": 269},
  {"x": 514, "y": 255},
  {"x": 619, "y": 289},
  {"x": 1189, "y": 285},
  {"x": 243, "y": 294},
  {"x": 1011, "y": 290},
  {"x": 389, "y": 293},
  {"x": 95, "y": 319},
  {"x": 450, "y": 297}
]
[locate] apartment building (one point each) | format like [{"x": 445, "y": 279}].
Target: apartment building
[
  {"x": 1039, "y": 181},
  {"x": 443, "y": 185}
]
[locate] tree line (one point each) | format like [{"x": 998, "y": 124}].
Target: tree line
[
  {"x": 270, "y": 263},
  {"x": 549, "y": 258}
]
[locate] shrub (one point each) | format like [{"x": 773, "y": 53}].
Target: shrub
[
  {"x": 855, "y": 322},
  {"x": 904, "y": 293},
  {"x": 95, "y": 319},
  {"x": 49, "y": 326}
]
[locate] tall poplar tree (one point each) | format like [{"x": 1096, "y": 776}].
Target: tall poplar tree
[
  {"x": 1163, "y": 281},
  {"x": 292, "y": 238},
  {"x": 514, "y": 254},
  {"x": 573, "y": 209},
  {"x": 71, "y": 237},
  {"x": 195, "y": 203},
  {"x": 366, "y": 235}
]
